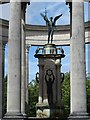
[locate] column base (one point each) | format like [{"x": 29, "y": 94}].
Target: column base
[
  {"x": 24, "y": 115},
  {"x": 15, "y": 116},
  {"x": 79, "y": 116}
]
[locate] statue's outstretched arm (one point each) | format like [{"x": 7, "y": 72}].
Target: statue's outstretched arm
[
  {"x": 56, "y": 18},
  {"x": 44, "y": 17}
]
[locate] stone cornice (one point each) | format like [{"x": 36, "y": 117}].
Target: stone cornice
[
  {"x": 7, "y": 1},
  {"x": 44, "y": 28},
  {"x": 37, "y": 34},
  {"x": 5, "y": 23}
]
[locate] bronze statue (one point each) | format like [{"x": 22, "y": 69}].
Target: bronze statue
[{"x": 51, "y": 25}]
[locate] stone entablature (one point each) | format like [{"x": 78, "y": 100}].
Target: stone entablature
[
  {"x": 6, "y": 1},
  {"x": 37, "y": 34}
]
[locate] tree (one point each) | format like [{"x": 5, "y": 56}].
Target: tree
[
  {"x": 33, "y": 95},
  {"x": 88, "y": 95},
  {"x": 66, "y": 94},
  {"x": 33, "y": 98}
]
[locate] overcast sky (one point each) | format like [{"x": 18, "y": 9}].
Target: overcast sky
[{"x": 33, "y": 17}]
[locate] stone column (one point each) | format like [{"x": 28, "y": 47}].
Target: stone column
[
  {"x": 1, "y": 82},
  {"x": 40, "y": 84},
  {"x": 70, "y": 4},
  {"x": 14, "y": 58},
  {"x": 78, "y": 68},
  {"x": 2, "y": 50},
  {"x": 23, "y": 73},
  {"x": 3, "y": 74},
  {"x": 27, "y": 75}
]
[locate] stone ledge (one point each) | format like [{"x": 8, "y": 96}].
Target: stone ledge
[
  {"x": 34, "y": 118},
  {"x": 58, "y": 118}
]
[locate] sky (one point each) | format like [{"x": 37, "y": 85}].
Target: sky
[
  {"x": 53, "y": 9},
  {"x": 33, "y": 17}
]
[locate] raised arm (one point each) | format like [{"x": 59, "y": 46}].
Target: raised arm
[
  {"x": 56, "y": 18},
  {"x": 44, "y": 17}
]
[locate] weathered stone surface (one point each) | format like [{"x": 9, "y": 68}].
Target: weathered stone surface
[
  {"x": 14, "y": 57},
  {"x": 78, "y": 68},
  {"x": 49, "y": 100},
  {"x": 1, "y": 81},
  {"x": 23, "y": 67},
  {"x": 27, "y": 76}
]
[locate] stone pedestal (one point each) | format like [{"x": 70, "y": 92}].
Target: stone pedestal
[{"x": 49, "y": 102}]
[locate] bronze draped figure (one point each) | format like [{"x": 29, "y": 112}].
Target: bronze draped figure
[{"x": 51, "y": 24}]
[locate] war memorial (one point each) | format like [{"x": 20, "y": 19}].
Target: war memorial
[{"x": 20, "y": 37}]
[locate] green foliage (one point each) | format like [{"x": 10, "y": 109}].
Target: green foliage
[
  {"x": 33, "y": 97},
  {"x": 88, "y": 95},
  {"x": 66, "y": 94}
]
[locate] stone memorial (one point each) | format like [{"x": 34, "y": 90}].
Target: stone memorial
[
  {"x": 49, "y": 57},
  {"x": 49, "y": 78}
]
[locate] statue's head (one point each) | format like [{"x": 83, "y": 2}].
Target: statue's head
[{"x": 51, "y": 18}]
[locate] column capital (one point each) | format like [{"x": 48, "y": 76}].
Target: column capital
[
  {"x": 24, "y": 5},
  {"x": 70, "y": 6}
]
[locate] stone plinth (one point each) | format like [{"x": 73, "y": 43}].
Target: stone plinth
[{"x": 49, "y": 100}]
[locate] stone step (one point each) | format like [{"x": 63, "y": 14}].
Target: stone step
[
  {"x": 34, "y": 118},
  {"x": 58, "y": 118}
]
